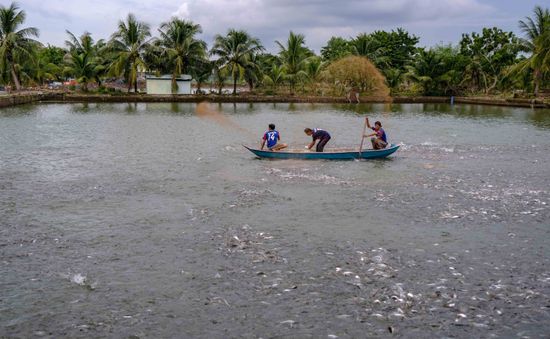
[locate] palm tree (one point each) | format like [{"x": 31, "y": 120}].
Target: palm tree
[
  {"x": 313, "y": 70},
  {"x": 82, "y": 60},
  {"x": 235, "y": 52},
  {"x": 537, "y": 42},
  {"x": 365, "y": 45},
  {"x": 220, "y": 76},
  {"x": 152, "y": 56},
  {"x": 294, "y": 58},
  {"x": 425, "y": 70},
  {"x": 15, "y": 44},
  {"x": 181, "y": 49},
  {"x": 49, "y": 64},
  {"x": 253, "y": 71},
  {"x": 84, "y": 44},
  {"x": 274, "y": 76},
  {"x": 81, "y": 67},
  {"x": 129, "y": 44},
  {"x": 201, "y": 73}
]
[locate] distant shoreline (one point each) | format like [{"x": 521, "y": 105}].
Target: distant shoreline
[{"x": 14, "y": 99}]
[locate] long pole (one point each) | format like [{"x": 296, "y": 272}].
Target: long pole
[{"x": 363, "y": 137}]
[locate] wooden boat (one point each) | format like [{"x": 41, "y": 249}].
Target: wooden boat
[{"x": 329, "y": 154}]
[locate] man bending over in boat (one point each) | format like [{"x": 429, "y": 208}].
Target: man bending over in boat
[
  {"x": 379, "y": 140},
  {"x": 272, "y": 137},
  {"x": 317, "y": 134}
]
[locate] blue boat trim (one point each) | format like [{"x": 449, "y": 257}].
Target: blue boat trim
[{"x": 366, "y": 154}]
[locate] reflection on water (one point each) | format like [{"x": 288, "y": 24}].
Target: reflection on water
[
  {"x": 147, "y": 220},
  {"x": 540, "y": 118}
]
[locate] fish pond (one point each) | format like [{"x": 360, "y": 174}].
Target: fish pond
[{"x": 151, "y": 220}]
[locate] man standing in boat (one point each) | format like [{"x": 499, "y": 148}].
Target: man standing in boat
[
  {"x": 317, "y": 134},
  {"x": 379, "y": 140},
  {"x": 272, "y": 138}
]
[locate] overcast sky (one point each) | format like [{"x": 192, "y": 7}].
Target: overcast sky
[{"x": 434, "y": 21}]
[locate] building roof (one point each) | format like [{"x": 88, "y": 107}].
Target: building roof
[{"x": 182, "y": 77}]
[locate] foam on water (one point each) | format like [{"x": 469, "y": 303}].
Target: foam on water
[
  {"x": 78, "y": 279},
  {"x": 306, "y": 175}
]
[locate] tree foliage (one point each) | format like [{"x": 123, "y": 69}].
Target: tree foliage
[
  {"x": 84, "y": 61},
  {"x": 180, "y": 47},
  {"x": 16, "y": 44},
  {"x": 490, "y": 61},
  {"x": 236, "y": 52},
  {"x": 293, "y": 56},
  {"x": 335, "y": 49},
  {"x": 128, "y": 44},
  {"x": 489, "y": 54},
  {"x": 537, "y": 43}
]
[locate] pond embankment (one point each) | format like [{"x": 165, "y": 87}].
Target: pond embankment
[
  {"x": 27, "y": 97},
  {"x": 20, "y": 98}
]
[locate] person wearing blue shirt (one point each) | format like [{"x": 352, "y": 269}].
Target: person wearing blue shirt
[
  {"x": 272, "y": 137},
  {"x": 379, "y": 140},
  {"x": 317, "y": 134}
]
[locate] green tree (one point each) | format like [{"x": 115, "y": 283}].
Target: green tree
[
  {"x": 275, "y": 76},
  {"x": 489, "y": 53},
  {"x": 83, "y": 60},
  {"x": 16, "y": 44},
  {"x": 153, "y": 58},
  {"x": 313, "y": 71},
  {"x": 181, "y": 49},
  {"x": 202, "y": 73},
  {"x": 439, "y": 70},
  {"x": 386, "y": 49},
  {"x": 236, "y": 51},
  {"x": 454, "y": 63},
  {"x": 221, "y": 74},
  {"x": 129, "y": 43},
  {"x": 336, "y": 48},
  {"x": 253, "y": 71},
  {"x": 50, "y": 64},
  {"x": 425, "y": 70},
  {"x": 537, "y": 43},
  {"x": 365, "y": 45},
  {"x": 389, "y": 51},
  {"x": 293, "y": 58}
]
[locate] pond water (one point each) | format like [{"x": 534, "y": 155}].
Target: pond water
[{"x": 148, "y": 220}]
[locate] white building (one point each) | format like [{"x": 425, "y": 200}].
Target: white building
[{"x": 163, "y": 84}]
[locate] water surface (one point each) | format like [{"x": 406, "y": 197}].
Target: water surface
[{"x": 147, "y": 220}]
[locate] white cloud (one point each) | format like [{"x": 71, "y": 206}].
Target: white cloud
[{"x": 183, "y": 11}]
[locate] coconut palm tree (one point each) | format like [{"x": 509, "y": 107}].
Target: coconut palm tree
[
  {"x": 293, "y": 58},
  {"x": 83, "y": 61},
  {"x": 236, "y": 52},
  {"x": 274, "y": 76},
  {"x": 129, "y": 43},
  {"x": 202, "y": 73},
  {"x": 15, "y": 44},
  {"x": 537, "y": 42},
  {"x": 152, "y": 55},
  {"x": 84, "y": 44},
  {"x": 313, "y": 69},
  {"x": 220, "y": 77},
  {"x": 365, "y": 45},
  {"x": 253, "y": 71},
  {"x": 425, "y": 70},
  {"x": 180, "y": 47}
]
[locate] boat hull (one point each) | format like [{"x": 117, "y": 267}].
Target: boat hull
[{"x": 340, "y": 155}]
